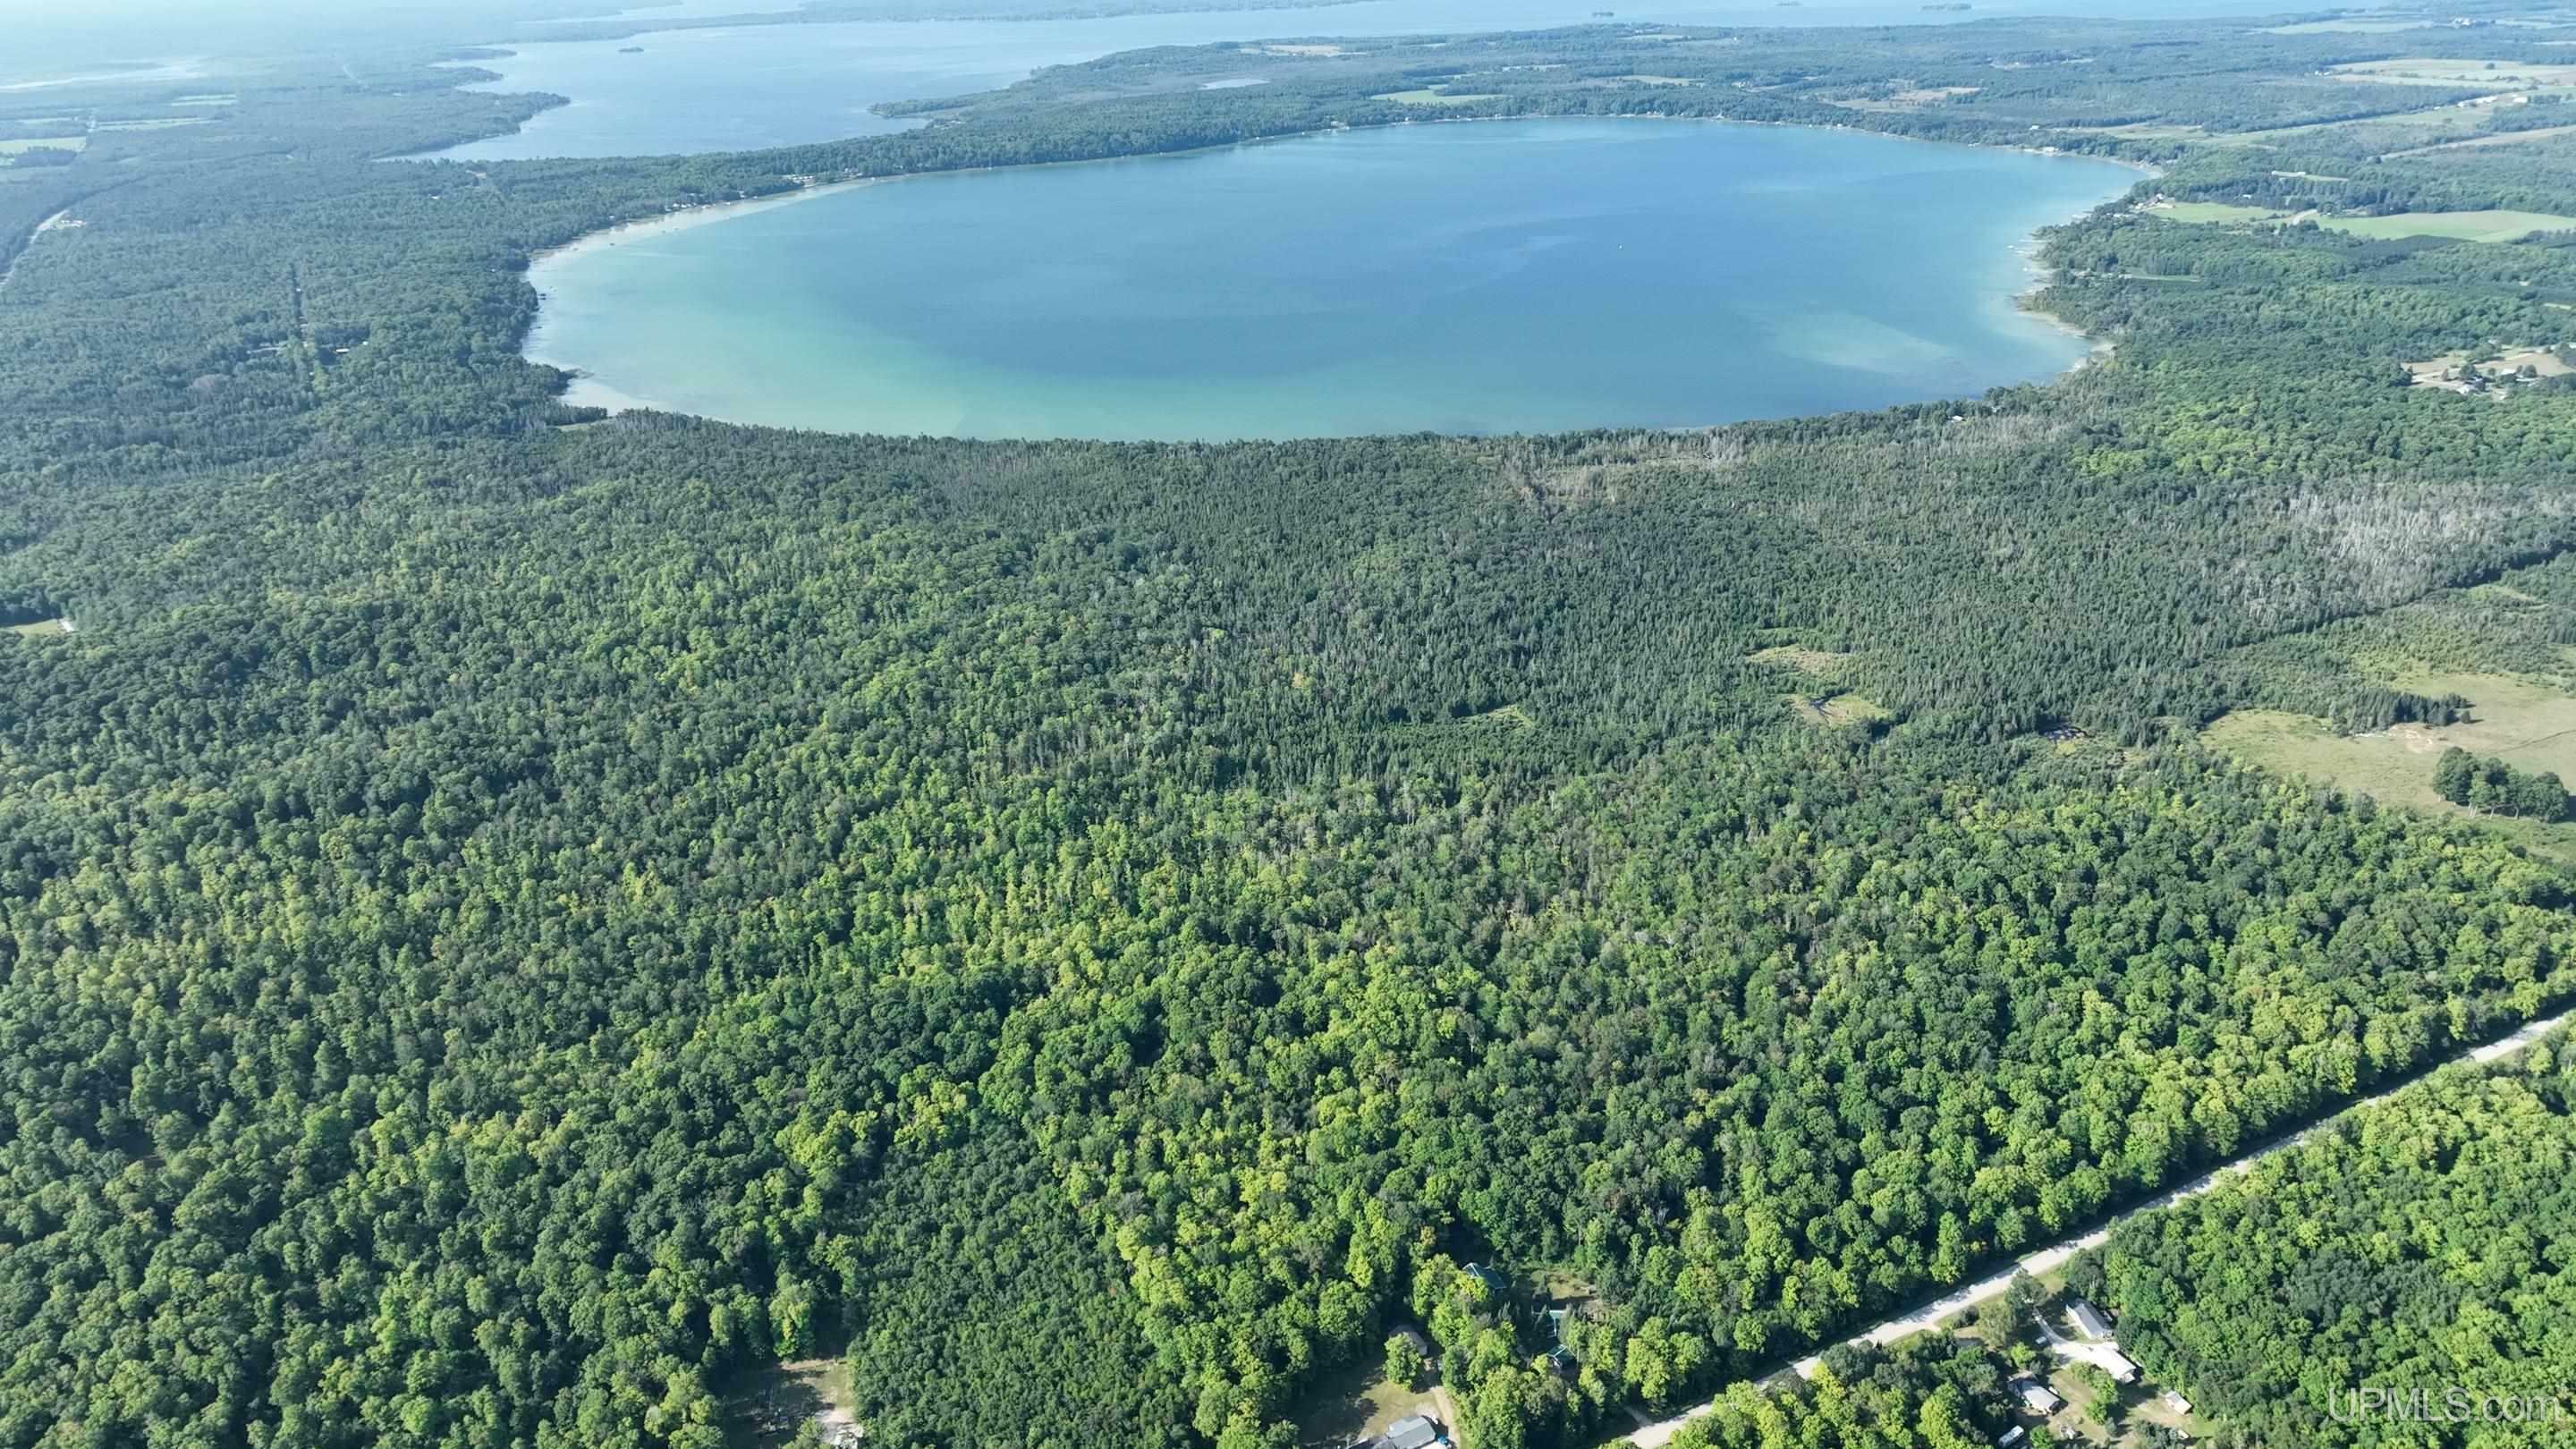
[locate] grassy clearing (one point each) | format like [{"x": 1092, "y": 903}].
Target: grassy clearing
[
  {"x": 2387, "y": 132},
  {"x": 1426, "y": 96},
  {"x": 2205, "y": 213},
  {"x": 2477, "y": 226},
  {"x": 2149, "y": 131},
  {"x": 1354, "y": 1402},
  {"x": 157, "y": 123},
  {"x": 2449, "y": 369},
  {"x": 2501, "y": 138},
  {"x": 1797, "y": 656},
  {"x": 2435, "y": 70},
  {"x": 44, "y": 143},
  {"x": 1914, "y": 98},
  {"x": 42, "y": 629},
  {"x": 773, "y": 1403},
  {"x": 1841, "y": 711},
  {"x": 2338, "y": 27},
  {"x": 2517, "y": 720}
]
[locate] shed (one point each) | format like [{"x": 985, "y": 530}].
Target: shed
[{"x": 2013, "y": 1438}]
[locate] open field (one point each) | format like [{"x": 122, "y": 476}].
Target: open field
[
  {"x": 42, "y": 629},
  {"x": 2212, "y": 212},
  {"x": 1425, "y": 96},
  {"x": 2500, "y": 138},
  {"x": 1838, "y": 711},
  {"x": 2343, "y": 27},
  {"x": 2428, "y": 70},
  {"x": 2531, "y": 727},
  {"x": 1912, "y": 99},
  {"x": 1802, "y": 658},
  {"x": 2480, "y": 226},
  {"x": 45, "y": 143},
  {"x": 2444, "y": 370},
  {"x": 2393, "y": 129},
  {"x": 2477, "y": 226},
  {"x": 2148, "y": 131}
]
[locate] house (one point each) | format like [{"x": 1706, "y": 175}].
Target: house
[
  {"x": 1413, "y": 1431},
  {"x": 2088, "y": 1319},
  {"x": 2117, "y": 1365},
  {"x": 2037, "y": 1397}
]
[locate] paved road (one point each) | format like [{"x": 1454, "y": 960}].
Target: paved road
[{"x": 2048, "y": 1259}]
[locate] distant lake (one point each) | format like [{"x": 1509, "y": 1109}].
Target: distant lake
[
  {"x": 750, "y": 87},
  {"x": 1464, "y": 277}
]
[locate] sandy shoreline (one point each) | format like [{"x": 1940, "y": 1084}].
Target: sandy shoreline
[{"x": 703, "y": 214}]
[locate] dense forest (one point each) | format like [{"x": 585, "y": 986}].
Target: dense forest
[
  {"x": 511, "y": 918},
  {"x": 2419, "y": 1248}
]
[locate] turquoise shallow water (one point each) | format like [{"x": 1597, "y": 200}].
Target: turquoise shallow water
[{"x": 1483, "y": 277}]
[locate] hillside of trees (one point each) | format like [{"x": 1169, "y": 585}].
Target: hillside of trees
[{"x": 511, "y": 919}]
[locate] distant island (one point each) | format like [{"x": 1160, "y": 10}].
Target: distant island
[
  {"x": 1952, "y": 5},
  {"x": 630, "y": 50}
]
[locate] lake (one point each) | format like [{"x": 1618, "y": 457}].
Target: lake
[
  {"x": 1460, "y": 277},
  {"x": 748, "y": 87}
]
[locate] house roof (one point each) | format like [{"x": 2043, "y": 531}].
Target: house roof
[
  {"x": 2090, "y": 1319},
  {"x": 1414, "y": 1431}
]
